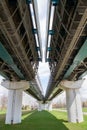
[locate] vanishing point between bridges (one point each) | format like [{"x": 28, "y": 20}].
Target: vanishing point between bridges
[{"x": 21, "y": 51}]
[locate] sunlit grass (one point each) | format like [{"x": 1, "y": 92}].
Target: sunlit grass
[
  {"x": 33, "y": 120},
  {"x": 2, "y": 111},
  {"x": 84, "y": 109}
]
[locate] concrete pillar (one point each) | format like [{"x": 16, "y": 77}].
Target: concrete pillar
[
  {"x": 39, "y": 106},
  {"x": 46, "y": 106},
  {"x": 49, "y": 106},
  {"x": 74, "y": 106},
  {"x": 42, "y": 106},
  {"x": 73, "y": 100},
  {"x": 13, "y": 114}
]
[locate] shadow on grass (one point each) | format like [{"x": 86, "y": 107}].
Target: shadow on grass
[
  {"x": 44, "y": 121},
  {"x": 38, "y": 121}
]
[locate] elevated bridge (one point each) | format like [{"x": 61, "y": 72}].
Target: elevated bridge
[
  {"x": 67, "y": 52},
  {"x": 21, "y": 52},
  {"x": 20, "y": 48}
]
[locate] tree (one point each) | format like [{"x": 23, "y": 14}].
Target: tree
[{"x": 4, "y": 102}]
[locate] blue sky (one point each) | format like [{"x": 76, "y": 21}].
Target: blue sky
[{"x": 43, "y": 70}]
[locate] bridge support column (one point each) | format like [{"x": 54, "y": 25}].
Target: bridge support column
[
  {"x": 13, "y": 114},
  {"x": 49, "y": 106},
  {"x": 42, "y": 106},
  {"x": 39, "y": 106},
  {"x": 73, "y": 100},
  {"x": 14, "y": 107},
  {"x": 74, "y": 106}
]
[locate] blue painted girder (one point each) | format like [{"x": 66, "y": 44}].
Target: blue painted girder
[
  {"x": 55, "y": 2},
  {"x": 82, "y": 54},
  {"x": 28, "y": 1},
  {"x": 5, "y": 56},
  {"x": 2, "y": 74}
]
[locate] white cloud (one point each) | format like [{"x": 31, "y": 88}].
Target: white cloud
[
  {"x": 42, "y": 8},
  {"x": 43, "y": 68},
  {"x": 44, "y": 74}
]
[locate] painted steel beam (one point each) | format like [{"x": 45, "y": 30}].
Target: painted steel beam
[
  {"x": 50, "y": 14},
  {"x": 49, "y": 49},
  {"x": 55, "y": 2},
  {"x": 37, "y": 48},
  {"x": 34, "y": 31},
  {"x": 51, "y": 32},
  {"x": 35, "y": 6},
  {"x": 48, "y": 60},
  {"x": 28, "y": 1},
  {"x": 82, "y": 54},
  {"x": 3, "y": 75},
  {"x": 73, "y": 43},
  {"x": 47, "y": 25},
  {"x": 5, "y": 56}
]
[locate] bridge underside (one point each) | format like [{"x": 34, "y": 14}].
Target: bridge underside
[
  {"x": 20, "y": 51},
  {"x": 68, "y": 38}
]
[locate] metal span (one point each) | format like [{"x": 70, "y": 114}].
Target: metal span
[
  {"x": 20, "y": 43},
  {"x": 67, "y": 50},
  {"x": 20, "y": 48}
]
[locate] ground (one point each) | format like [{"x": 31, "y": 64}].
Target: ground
[{"x": 44, "y": 120}]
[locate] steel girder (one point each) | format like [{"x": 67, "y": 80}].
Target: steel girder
[
  {"x": 19, "y": 57},
  {"x": 70, "y": 25}
]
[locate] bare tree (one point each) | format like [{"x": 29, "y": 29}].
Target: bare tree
[
  {"x": 84, "y": 103},
  {"x": 3, "y": 102}
]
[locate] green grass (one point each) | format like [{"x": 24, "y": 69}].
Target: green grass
[
  {"x": 33, "y": 120},
  {"x": 2, "y": 111},
  {"x": 84, "y": 109}
]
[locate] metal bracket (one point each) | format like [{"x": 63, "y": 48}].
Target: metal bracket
[
  {"x": 37, "y": 48},
  {"x": 28, "y": 1},
  {"x": 48, "y": 60},
  {"x": 55, "y": 2},
  {"x": 34, "y": 31},
  {"x": 39, "y": 59},
  {"x": 49, "y": 49},
  {"x": 51, "y": 32}
]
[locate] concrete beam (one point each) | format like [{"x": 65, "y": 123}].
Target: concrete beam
[
  {"x": 15, "y": 85},
  {"x": 40, "y": 106},
  {"x": 50, "y": 106},
  {"x": 71, "y": 84}
]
